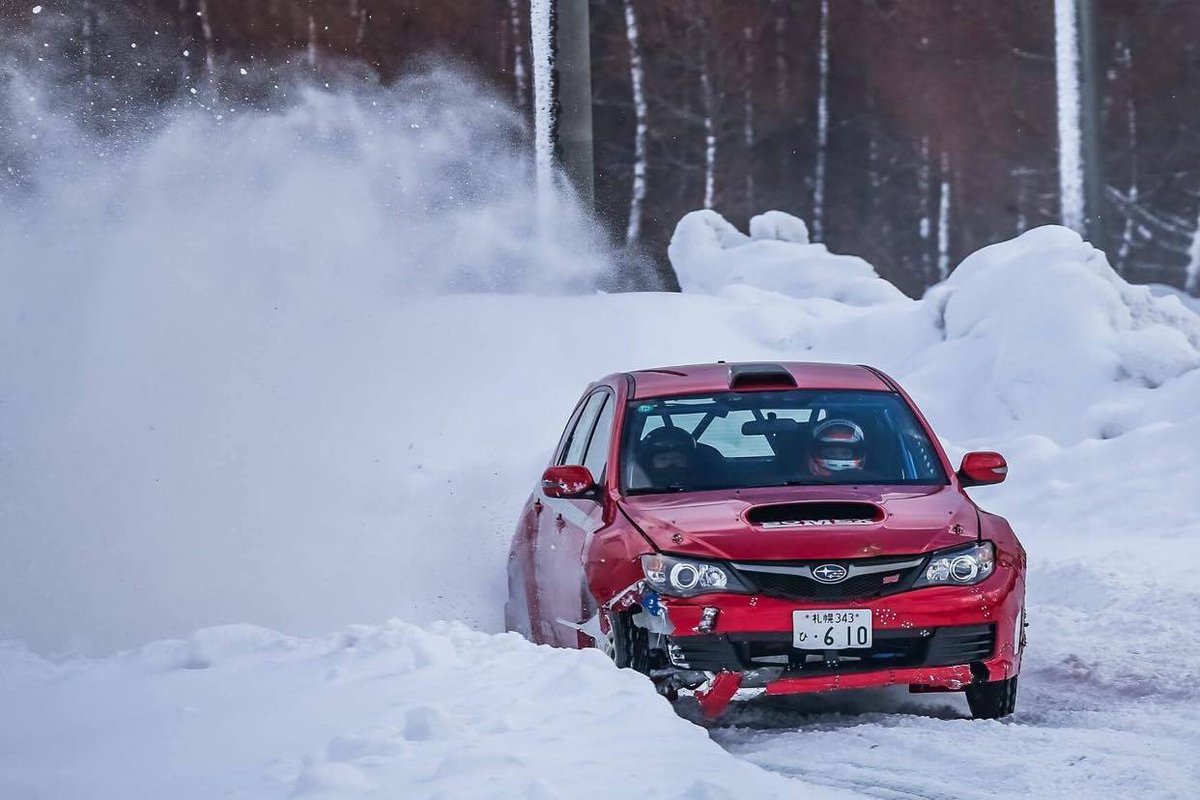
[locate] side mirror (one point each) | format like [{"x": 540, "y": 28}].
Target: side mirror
[
  {"x": 567, "y": 481},
  {"x": 982, "y": 468}
]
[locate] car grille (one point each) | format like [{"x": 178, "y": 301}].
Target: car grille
[
  {"x": 928, "y": 647},
  {"x": 793, "y": 579},
  {"x": 809, "y": 589}
]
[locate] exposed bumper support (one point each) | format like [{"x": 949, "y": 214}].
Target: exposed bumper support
[
  {"x": 950, "y": 678},
  {"x": 715, "y": 698}
]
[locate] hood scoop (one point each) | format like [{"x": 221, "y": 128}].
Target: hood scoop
[{"x": 814, "y": 514}]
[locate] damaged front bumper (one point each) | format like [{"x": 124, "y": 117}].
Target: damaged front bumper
[{"x": 938, "y": 638}]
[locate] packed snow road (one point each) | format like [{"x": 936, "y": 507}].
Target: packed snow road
[
  {"x": 1033, "y": 347},
  {"x": 1108, "y": 695}
]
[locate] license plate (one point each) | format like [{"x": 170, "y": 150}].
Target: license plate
[{"x": 831, "y": 629}]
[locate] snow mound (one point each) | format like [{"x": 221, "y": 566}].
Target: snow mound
[
  {"x": 1051, "y": 340},
  {"x": 708, "y": 254},
  {"x": 394, "y": 710},
  {"x": 778, "y": 226},
  {"x": 1036, "y": 335}
]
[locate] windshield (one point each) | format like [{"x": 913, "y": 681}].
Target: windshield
[{"x": 784, "y": 438}]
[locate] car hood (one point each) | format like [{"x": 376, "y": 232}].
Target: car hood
[{"x": 714, "y": 524}]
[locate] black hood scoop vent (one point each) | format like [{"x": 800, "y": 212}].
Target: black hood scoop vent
[{"x": 815, "y": 514}]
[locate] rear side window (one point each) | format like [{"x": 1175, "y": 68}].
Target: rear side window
[
  {"x": 597, "y": 452},
  {"x": 573, "y": 453}
]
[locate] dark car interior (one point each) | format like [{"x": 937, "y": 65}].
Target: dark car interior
[{"x": 754, "y": 439}]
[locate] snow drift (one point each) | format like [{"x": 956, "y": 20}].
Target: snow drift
[
  {"x": 709, "y": 253},
  {"x": 364, "y": 712},
  {"x": 1035, "y": 335}
]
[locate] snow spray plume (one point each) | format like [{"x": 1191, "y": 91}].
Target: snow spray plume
[
  {"x": 204, "y": 316},
  {"x": 422, "y": 187}
]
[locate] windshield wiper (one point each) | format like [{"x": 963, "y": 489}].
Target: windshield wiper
[{"x": 671, "y": 489}]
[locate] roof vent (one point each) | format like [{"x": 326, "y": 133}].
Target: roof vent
[{"x": 760, "y": 376}]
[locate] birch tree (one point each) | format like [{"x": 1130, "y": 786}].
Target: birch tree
[
  {"x": 748, "y": 117},
  {"x": 710, "y": 135},
  {"x": 359, "y": 14},
  {"x": 541, "y": 26},
  {"x": 1070, "y": 137},
  {"x": 1131, "y": 196},
  {"x": 312, "y": 41},
  {"x": 206, "y": 31},
  {"x": 520, "y": 81},
  {"x": 818, "y": 226},
  {"x": 1191, "y": 274},
  {"x": 637, "y": 82},
  {"x": 924, "y": 225},
  {"x": 944, "y": 221}
]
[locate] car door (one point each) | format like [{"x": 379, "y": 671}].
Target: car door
[{"x": 564, "y": 526}]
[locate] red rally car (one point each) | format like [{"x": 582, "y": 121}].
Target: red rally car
[{"x": 790, "y": 527}]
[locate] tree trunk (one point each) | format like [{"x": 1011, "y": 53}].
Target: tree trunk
[
  {"x": 748, "y": 119},
  {"x": 541, "y": 27},
  {"x": 925, "y": 226},
  {"x": 88, "y": 38},
  {"x": 312, "y": 41},
  {"x": 1131, "y": 197},
  {"x": 637, "y": 82},
  {"x": 944, "y": 222},
  {"x": 1070, "y": 140},
  {"x": 520, "y": 81},
  {"x": 710, "y": 136},
  {"x": 818, "y": 226},
  {"x": 206, "y": 30},
  {"x": 1191, "y": 275}
]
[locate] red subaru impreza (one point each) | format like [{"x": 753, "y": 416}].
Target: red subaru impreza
[{"x": 785, "y": 527}]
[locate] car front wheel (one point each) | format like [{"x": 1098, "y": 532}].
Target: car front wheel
[
  {"x": 628, "y": 644},
  {"x": 992, "y": 700}
]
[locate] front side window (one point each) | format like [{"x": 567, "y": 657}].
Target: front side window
[
  {"x": 783, "y": 438},
  {"x": 578, "y": 439},
  {"x": 596, "y": 457}
]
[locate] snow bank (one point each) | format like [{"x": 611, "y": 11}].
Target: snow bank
[
  {"x": 1055, "y": 342},
  {"x": 1034, "y": 335},
  {"x": 708, "y": 253},
  {"x": 394, "y": 711}
]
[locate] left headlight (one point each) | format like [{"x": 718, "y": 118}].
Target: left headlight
[
  {"x": 686, "y": 577},
  {"x": 961, "y": 566}
]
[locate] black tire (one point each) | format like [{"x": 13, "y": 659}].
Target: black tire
[
  {"x": 630, "y": 644},
  {"x": 992, "y": 700}
]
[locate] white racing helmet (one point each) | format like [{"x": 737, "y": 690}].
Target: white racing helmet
[{"x": 838, "y": 445}]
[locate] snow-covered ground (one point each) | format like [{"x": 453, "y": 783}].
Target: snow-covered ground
[{"x": 249, "y": 425}]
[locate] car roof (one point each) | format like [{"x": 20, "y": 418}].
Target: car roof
[{"x": 742, "y": 376}]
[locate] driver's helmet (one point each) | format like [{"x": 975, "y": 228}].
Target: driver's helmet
[
  {"x": 837, "y": 445},
  {"x": 667, "y": 454}
]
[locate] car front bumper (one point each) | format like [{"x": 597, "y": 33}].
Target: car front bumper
[{"x": 938, "y": 638}]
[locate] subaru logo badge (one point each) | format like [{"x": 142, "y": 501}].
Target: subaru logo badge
[{"x": 830, "y": 573}]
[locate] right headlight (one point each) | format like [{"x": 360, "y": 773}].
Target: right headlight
[
  {"x": 688, "y": 577},
  {"x": 961, "y": 566}
]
